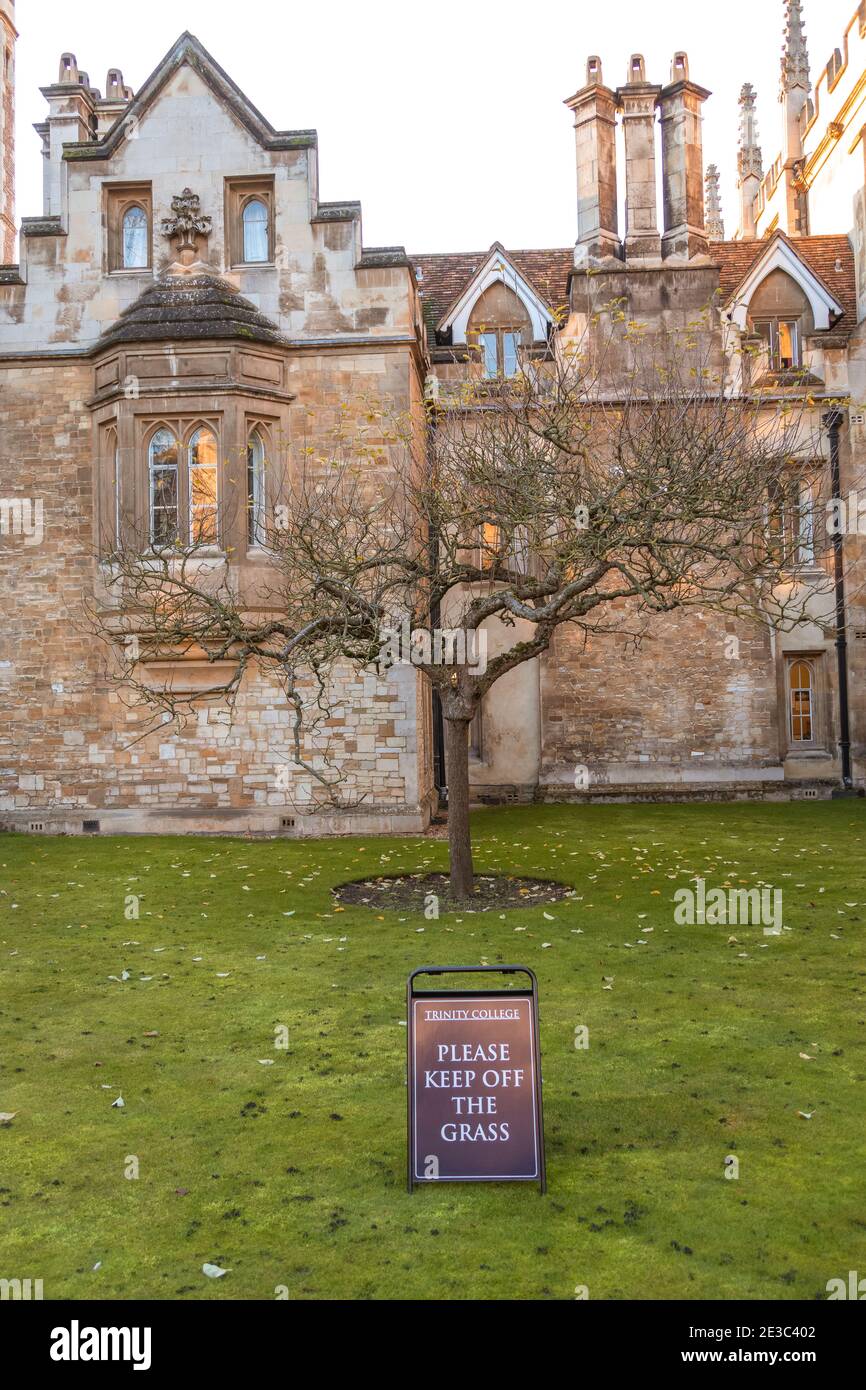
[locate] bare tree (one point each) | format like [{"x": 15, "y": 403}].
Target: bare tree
[{"x": 600, "y": 485}]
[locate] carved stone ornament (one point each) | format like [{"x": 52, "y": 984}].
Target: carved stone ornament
[{"x": 187, "y": 224}]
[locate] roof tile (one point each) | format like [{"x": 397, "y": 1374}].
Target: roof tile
[{"x": 444, "y": 276}]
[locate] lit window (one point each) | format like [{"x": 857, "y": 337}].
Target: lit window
[
  {"x": 787, "y": 350},
  {"x": 203, "y": 488},
  {"x": 782, "y": 339},
  {"x": 162, "y": 459},
  {"x": 255, "y": 228},
  {"x": 801, "y": 696},
  {"x": 491, "y": 545},
  {"x": 255, "y": 489},
  {"x": 134, "y": 239}
]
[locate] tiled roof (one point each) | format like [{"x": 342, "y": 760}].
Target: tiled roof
[
  {"x": 444, "y": 277},
  {"x": 820, "y": 253}
]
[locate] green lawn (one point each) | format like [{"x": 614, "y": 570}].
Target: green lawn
[{"x": 292, "y": 1174}]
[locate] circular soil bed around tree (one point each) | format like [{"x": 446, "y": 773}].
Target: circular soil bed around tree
[{"x": 412, "y": 891}]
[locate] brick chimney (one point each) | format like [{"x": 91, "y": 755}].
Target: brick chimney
[
  {"x": 8, "y": 35},
  {"x": 594, "y": 108},
  {"x": 682, "y": 163}
]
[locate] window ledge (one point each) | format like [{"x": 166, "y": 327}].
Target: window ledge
[
  {"x": 807, "y": 571},
  {"x": 182, "y": 553}
]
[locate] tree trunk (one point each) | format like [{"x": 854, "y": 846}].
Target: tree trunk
[{"x": 457, "y": 774}]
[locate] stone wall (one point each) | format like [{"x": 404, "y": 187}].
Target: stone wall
[
  {"x": 670, "y": 708},
  {"x": 70, "y": 747}
]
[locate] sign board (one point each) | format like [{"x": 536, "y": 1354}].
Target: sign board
[{"x": 474, "y": 1082}]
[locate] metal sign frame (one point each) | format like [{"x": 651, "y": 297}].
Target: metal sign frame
[{"x": 532, "y": 995}]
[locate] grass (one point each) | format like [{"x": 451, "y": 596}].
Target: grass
[{"x": 292, "y": 1175}]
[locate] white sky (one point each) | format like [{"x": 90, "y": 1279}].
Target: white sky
[{"x": 444, "y": 118}]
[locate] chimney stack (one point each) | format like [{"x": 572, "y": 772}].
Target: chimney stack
[
  {"x": 594, "y": 108},
  {"x": 637, "y": 101},
  {"x": 682, "y": 163},
  {"x": 71, "y": 118}
]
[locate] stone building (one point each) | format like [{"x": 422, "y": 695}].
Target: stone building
[{"x": 185, "y": 308}]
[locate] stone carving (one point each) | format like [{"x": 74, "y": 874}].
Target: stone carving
[
  {"x": 749, "y": 159},
  {"x": 188, "y": 223},
  {"x": 713, "y": 212},
  {"x": 795, "y": 59}
]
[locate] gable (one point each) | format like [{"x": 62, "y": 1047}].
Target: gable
[
  {"x": 188, "y": 52},
  {"x": 822, "y": 266},
  {"x": 444, "y": 278}
]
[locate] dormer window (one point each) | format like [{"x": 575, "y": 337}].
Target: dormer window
[
  {"x": 781, "y": 316},
  {"x": 498, "y": 325},
  {"x": 134, "y": 238}
]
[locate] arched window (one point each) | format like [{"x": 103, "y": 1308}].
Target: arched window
[
  {"x": 162, "y": 468},
  {"x": 801, "y": 692},
  {"x": 255, "y": 228},
  {"x": 780, "y": 314},
  {"x": 255, "y": 489},
  {"x": 134, "y": 239},
  {"x": 203, "y": 487},
  {"x": 113, "y": 458},
  {"x": 498, "y": 325}
]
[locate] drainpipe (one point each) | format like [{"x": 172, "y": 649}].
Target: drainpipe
[
  {"x": 439, "y": 777},
  {"x": 832, "y": 421}
]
